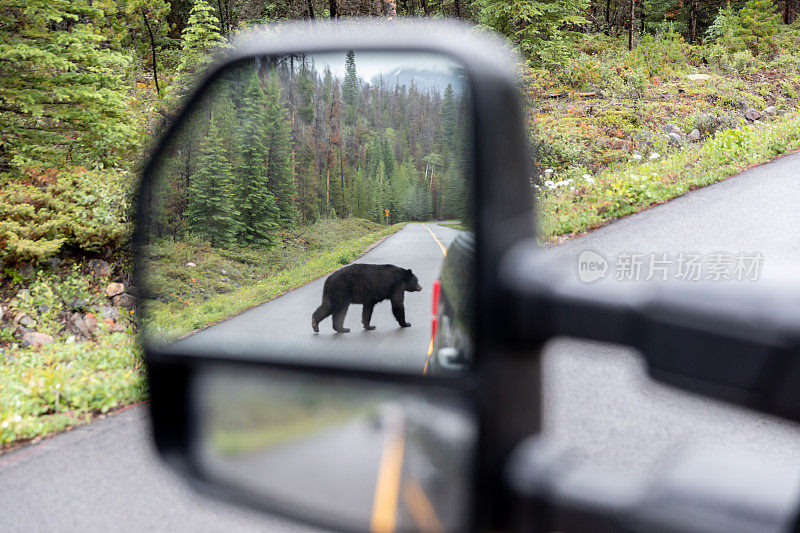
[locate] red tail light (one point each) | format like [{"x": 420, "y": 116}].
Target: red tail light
[{"x": 434, "y": 320}]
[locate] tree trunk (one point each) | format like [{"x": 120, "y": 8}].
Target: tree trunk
[
  {"x": 334, "y": 8},
  {"x": 608, "y": 17},
  {"x": 310, "y": 5},
  {"x": 693, "y": 22},
  {"x": 632, "y": 24},
  {"x": 153, "y": 48},
  {"x": 641, "y": 17},
  {"x": 457, "y": 8}
]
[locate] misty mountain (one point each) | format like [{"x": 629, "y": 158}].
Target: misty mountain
[{"x": 423, "y": 78}]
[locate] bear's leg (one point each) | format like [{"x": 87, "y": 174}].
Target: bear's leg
[
  {"x": 399, "y": 312},
  {"x": 366, "y": 316},
  {"x": 338, "y": 320},
  {"x": 322, "y": 312}
]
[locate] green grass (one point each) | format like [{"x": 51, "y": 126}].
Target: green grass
[
  {"x": 460, "y": 226},
  {"x": 583, "y": 204},
  {"x": 227, "y": 282},
  {"x": 65, "y": 384}
]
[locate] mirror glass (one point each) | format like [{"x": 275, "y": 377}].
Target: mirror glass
[
  {"x": 364, "y": 456},
  {"x": 306, "y": 205}
]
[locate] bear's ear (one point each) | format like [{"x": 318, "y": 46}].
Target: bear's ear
[{"x": 409, "y": 274}]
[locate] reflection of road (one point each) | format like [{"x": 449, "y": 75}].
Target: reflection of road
[
  {"x": 312, "y": 470},
  {"x": 288, "y": 319}
]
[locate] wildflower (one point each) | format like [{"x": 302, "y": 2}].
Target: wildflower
[
  {"x": 637, "y": 156},
  {"x": 548, "y": 171},
  {"x": 655, "y": 155},
  {"x": 549, "y": 183},
  {"x": 17, "y": 418},
  {"x": 572, "y": 188},
  {"x": 588, "y": 178}
]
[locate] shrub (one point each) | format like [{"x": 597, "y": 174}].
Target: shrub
[{"x": 76, "y": 208}]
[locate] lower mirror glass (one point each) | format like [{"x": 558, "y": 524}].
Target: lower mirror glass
[{"x": 365, "y": 456}]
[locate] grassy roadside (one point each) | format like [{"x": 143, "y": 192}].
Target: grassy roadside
[
  {"x": 225, "y": 283},
  {"x": 569, "y": 206},
  {"x": 70, "y": 381}
]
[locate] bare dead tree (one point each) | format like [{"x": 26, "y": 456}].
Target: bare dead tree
[{"x": 632, "y": 24}]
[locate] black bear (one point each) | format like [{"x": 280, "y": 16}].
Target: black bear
[{"x": 367, "y": 285}]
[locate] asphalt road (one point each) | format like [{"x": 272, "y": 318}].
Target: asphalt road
[
  {"x": 285, "y": 322},
  {"x": 105, "y": 476},
  {"x": 598, "y": 400}
]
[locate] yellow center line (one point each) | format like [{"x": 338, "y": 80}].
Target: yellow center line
[
  {"x": 428, "y": 358},
  {"x": 420, "y": 507},
  {"x": 444, "y": 250},
  {"x": 387, "y": 487}
]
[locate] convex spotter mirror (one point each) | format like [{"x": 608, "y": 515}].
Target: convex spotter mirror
[{"x": 306, "y": 203}]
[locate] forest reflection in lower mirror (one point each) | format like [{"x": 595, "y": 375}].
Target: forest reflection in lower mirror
[{"x": 306, "y": 185}]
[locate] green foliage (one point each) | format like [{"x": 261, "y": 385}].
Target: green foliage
[
  {"x": 211, "y": 211},
  {"x": 75, "y": 208},
  {"x": 62, "y": 94},
  {"x": 759, "y": 27},
  {"x": 541, "y": 29},
  {"x": 64, "y": 384}
]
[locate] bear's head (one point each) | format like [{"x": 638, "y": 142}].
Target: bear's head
[{"x": 411, "y": 281}]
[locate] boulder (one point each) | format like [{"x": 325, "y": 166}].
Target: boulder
[
  {"x": 770, "y": 111},
  {"x": 26, "y": 270},
  {"x": 114, "y": 289},
  {"x": 752, "y": 115},
  {"x": 670, "y": 128},
  {"x": 123, "y": 300},
  {"x": 707, "y": 123},
  {"x": 190, "y": 265},
  {"x": 674, "y": 138},
  {"x": 109, "y": 313},
  {"x": 78, "y": 305},
  {"x": 23, "y": 294},
  {"x": 84, "y": 325},
  {"x": 26, "y": 321},
  {"x": 53, "y": 262},
  {"x": 781, "y": 112},
  {"x": 34, "y": 338},
  {"x": 743, "y": 105},
  {"x": 698, "y": 77},
  {"x": 693, "y": 136},
  {"x": 101, "y": 268}
]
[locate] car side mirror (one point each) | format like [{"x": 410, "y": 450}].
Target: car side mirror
[{"x": 316, "y": 167}]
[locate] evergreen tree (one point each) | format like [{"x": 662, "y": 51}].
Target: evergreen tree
[
  {"x": 211, "y": 213},
  {"x": 62, "y": 94},
  {"x": 759, "y": 26},
  {"x": 350, "y": 88},
  {"x": 259, "y": 210},
  {"x": 448, "y": 117},
  {"x": 279, "y": 169}
]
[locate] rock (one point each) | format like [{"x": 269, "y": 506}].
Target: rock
[
  {"x": 34, "y": 338},
  {"x": 707, "y": 123},
  {"x": 131, "y": 290},
  {"x": 23, "y": 294},
  {"x": 100, "y": 268},
  {"x": 1, "y": 313},
  {"x": 782, "y": 112},
  {"x": 670, "y": 128},
  {"x": 694, "y": 136},
  {"x": 43, "y": 308},
  {"x": 78, "y": 305},
  {"x": 770, "y": 111},
  {"x": 108, "y": 313},
  {"x": 84, "y": 325},
  {"x": 698, "y": 77},
  {"x": 114, "y": 289},
  {"x": 26, "y": 270},
  {"x": 674, "y": 138},
  {"x": 752, "y": 115},
  {"x": 743, "y": 105},
  {"x": 123, "y": 300},
  {"x": 190, "y": 264},
  {"x": 54, "y": 262},
  {"x": 27, "y": 321}
]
